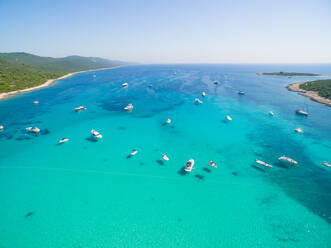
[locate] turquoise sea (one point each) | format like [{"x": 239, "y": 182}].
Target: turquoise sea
[{"x": 91, "y": 194}]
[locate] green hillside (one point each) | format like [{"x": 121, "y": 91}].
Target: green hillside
[
  {"x": 22, "y": 70},
  {"x": 322, "y": 87}
]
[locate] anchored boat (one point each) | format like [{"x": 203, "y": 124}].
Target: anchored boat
[
  {"x": 287, "y": 160},
  {"x": 301, "y": 112},
  {"x": 33, "y": 129},
  {"x": 263, "y": 163},
  {"x": 96, "y": 134},
  {"x": 189, "y": 165},
  {"x": 129, "y": 107}
]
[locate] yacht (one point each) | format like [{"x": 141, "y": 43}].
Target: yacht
[
  {"x": 287, "y": 160},
  {"x": 216, "y": 82},
  {"x": 228, "y": 118},
  {"x": 241, "y": 92},
  {"x": 168, "y": 121},
  {"x": 96, "y": 134},
  {"x": 189, "y": 165},
  {"x": 203, "y": 94},
  {"x": 125, "y": 84},
  {"x": 197, "y": 101},
  {"x": 301, "y": 112},
  {"x": 212, "y": 164},
  {"x": 298, "y": 130},
  {"x": 63, "y": 140},
  {"x": 35, "y": 102},
  {"x": 165, "y": 157},
  {"x": 129, "y": 107},
  {"x": 33, "y": 129},
  {"x": 271, "y": 113},
  {"x": 263, "y": 163},
  {"x": 326, "y": 164},
  {"x": 1, "y": 128},
  {"x": 80, "y": 108},
  {"x": 134, "y": 152}
]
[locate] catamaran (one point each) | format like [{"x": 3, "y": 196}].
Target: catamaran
[{"x": 189, "y": 165}]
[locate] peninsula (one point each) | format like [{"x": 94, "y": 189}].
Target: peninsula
[
  {"x": 318, "y": 90},
  {"x": 22, "y": 72}
]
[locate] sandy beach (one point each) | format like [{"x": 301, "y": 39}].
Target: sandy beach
[
  {"x": 311, "y": 94},
  {"x": 47, "y": 83}
]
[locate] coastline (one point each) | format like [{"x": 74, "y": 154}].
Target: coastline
[
  {"x": 310, "y": 94},
  {"x": 49, "y": 82}
]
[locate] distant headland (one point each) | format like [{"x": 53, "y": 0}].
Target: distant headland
[
  {"x": 291, "y": 74},
  {"x": 22, "y": 72}
]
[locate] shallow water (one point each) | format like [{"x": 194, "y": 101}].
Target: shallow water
[{"x": 91, "y": 194}]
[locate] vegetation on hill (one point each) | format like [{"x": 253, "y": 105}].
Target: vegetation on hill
[
  {"x": 322, "y": 87},
  {"x": 22, "y": 70},
  {"x": 288, "y": 74}
]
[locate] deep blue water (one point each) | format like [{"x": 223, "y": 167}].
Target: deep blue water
[{"x": 92, "y": 194}]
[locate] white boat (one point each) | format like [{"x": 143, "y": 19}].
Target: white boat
[
  {"x": 263, "y": 163},
  {"x": 63, "y": 140},
  {"x": 203, "y": 94},
  {"x": 271, "y": 113},
  {"x": 168, "y": 121},
  {"x": 241, "y": 92},
  {"x": 287, "y": 160},
  {"x": 134, "y": 152},
  {"x": 165, "y": 157},
  {"x": 125, "y": 84},
  {"x": 189, "y": 165},
  {"x": 96, "y": 134},
  {"x": 197, "y": 100},
  {"x": 228, "y": 118},
  {"x": 129, "y": 107},
  {"x": 326, "y": 164},
  {"x": 301, "y": 112},
  {"x": 212, "y": 164},
  {"x": 33, "y": 129},
  {"x": 298, "y": 130},
  {"x": 80, "y": 108},
  {"x": 1, "y": 128},
  {"x": 35, "y": 102}
]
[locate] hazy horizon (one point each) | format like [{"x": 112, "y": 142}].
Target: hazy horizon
[{"x": 185, "y": 32}]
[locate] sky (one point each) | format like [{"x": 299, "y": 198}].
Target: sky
[{"x": 169, "y": 31}]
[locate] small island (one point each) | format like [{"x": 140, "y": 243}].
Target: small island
[
  {"x": 318, "y": 90},
  {"x": 289, "y": 74}
]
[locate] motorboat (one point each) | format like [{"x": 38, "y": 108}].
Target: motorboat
[
  {"x": 228, "y": 118},
  {"x": 150, "y": 85},
  {"x": 301, "y": 112},
  {"x": 63, "y": 140},
  {"x": 189, "y": 165},
  {"x": 197, "y": 101},
  {"x": 1, "y": 128},
  {"x": 326, "y": 164},
  {"x": 263, "y": 163},
  {"x": 271, "y": 113},
  {"x": 129, "y": 107},
  {"x": 216, "y": 82},
  {"x": 203, "y": 94},
  {"x": 287, "y": 160},
  {"x": 80, "y": 108},
  {"x": 165, "y": 157},
  {"x": 241, "y": 92},
  {"x": 35, "y": 102},
  {"x": 32, "y": 129},
  {"x": 96, "y": 134},
  {"x": 125, "y": 84},
  {"x": 212, "y": 164},
  {"x": 168, "y": 121},
  {"x": 134, "y": 152},
  {"x": 298, "y": 130}
]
